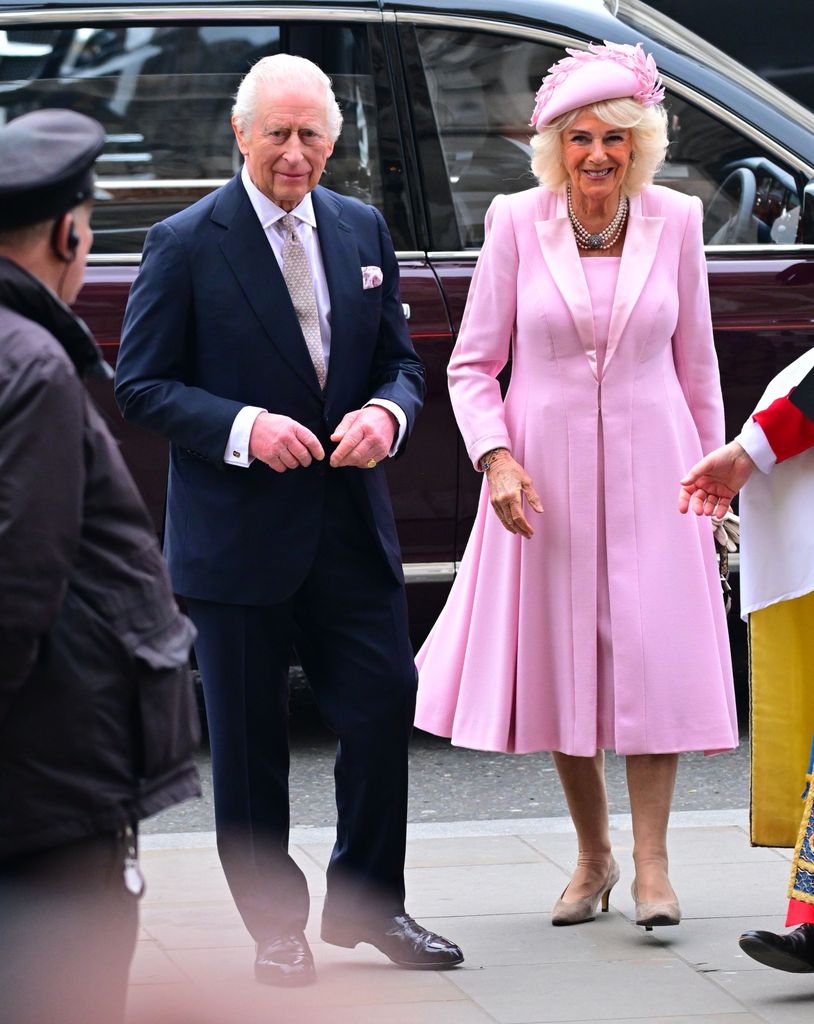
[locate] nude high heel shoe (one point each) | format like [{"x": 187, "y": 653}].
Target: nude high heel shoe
[
  {"x": 585, "y": 909},
  {"x": 650, "y": 915}
]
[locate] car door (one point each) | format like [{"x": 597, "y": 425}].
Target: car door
[{"x": 471, "y": 87}]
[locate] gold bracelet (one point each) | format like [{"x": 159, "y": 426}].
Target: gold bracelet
[{"x": 487, "y": 459}]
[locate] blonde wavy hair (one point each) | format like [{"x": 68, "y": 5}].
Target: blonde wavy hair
[{"x": 648, "y": 127}]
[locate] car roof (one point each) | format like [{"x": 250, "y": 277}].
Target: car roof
[{"x": 682, "y": 56}]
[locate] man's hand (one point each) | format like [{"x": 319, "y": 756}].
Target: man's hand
[
  {"x": 508, "y": 482},
  {"x": 712, "y": 483},
  {"x": 282, "y": 443},
  {"x": 364, "y": 435}
]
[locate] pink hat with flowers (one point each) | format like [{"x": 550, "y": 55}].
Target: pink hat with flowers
[{"x": 607, "y": 72}]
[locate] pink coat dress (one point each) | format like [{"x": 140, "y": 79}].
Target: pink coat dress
[{"x": 512, "y": 663}]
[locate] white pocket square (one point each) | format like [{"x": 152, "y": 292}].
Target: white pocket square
[{"x": 371, "y": 277}]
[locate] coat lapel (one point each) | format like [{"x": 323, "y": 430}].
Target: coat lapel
[
  {"x": 556, "y": 238},
  {"x": 343, "y": 272},
  {"x": 638, "y": 255},
  {"x": 249, "y": 254}
]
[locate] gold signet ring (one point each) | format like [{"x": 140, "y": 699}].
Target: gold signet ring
[{"x": 371, "y": 463}]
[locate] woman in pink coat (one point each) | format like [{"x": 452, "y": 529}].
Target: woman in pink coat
[{"x": 595, "y": 624}]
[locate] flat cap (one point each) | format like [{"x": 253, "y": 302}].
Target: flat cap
[{"x": 46, "y": 165}]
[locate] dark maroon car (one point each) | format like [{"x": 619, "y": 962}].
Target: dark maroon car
[{"x": 436, "y": 99}]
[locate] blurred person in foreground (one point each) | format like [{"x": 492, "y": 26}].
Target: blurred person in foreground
[
  {"x": 772, "y": 461},
  {"x": 265, "y": 338},
  {"x": 568, "y": 629},
  {"x": 97, "y": 715}
]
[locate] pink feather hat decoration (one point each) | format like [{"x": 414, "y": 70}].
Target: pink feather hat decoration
[{"x": 607, "y": 72}]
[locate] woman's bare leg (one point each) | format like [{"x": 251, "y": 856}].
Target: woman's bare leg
[
  {"x": 583, "y": 780},
  {"x": 651, "y": 781}
]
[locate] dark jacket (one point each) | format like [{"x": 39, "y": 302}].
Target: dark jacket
[
  {"x": 209, "y": 328},
  {"x": 97, "y": 714}
]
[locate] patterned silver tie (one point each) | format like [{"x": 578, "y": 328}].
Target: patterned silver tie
[{"x": 300, "y": 286}]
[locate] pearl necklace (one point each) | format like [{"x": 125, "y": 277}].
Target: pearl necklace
[{"x": 605, "y": 238}]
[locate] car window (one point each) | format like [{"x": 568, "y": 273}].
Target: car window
[
  {"x": 472, "y": 97},
  {"x": 749, "y": 196},
  {"x": 164, "y": 94}
]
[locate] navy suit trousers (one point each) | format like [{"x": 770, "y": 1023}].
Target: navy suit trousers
[{"x": 347, "y": 624}]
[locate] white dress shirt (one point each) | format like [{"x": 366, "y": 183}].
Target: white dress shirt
[{"x": 269, "y": 215}]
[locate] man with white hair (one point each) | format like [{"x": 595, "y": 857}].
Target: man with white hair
[{"x": 265, "y": 338}]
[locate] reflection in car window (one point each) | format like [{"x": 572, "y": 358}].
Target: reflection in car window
[
  {"x": 164, "y": 95},
  {"x": 472, "y": 97}
]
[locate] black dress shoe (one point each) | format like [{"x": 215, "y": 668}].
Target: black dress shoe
[
  {"x": 285, "y": 960},
  {"x": 792, "y": 952},
  {"x": 400, "y": 938}
]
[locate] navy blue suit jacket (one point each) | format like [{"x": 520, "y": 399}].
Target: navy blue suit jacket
[{"x": 209, "y": 328}]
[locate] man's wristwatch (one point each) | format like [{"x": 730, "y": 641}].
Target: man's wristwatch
[{"x": 487, "y": 459}]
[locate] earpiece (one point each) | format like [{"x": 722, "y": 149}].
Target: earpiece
[{"x": 71, "y": 241}]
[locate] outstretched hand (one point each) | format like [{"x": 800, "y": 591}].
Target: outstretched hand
[
  {"x": 508, "y": 484},
  {"x": 711, "y": 484}
]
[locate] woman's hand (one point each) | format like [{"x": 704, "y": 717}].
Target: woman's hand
[{"x": 508, "y": 482}]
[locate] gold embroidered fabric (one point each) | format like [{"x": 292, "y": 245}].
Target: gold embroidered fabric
[{"x": 801, "y": 885}]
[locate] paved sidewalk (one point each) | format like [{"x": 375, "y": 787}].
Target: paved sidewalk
[{"x": 489, "y": 886}]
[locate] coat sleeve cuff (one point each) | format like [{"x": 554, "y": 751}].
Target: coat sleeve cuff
[
  {"x": 754, "y": 442},
  {"x": 485, "y": 444}
]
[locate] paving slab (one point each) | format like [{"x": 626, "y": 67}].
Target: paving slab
[
  {"x": 152, "y": 965},
  {"x": 202, "y": 925},
  {"x": 686, "y": 846},
  {"x": 449, "y": 851},
  {"x": 483, "y": 889},
  {"x": 489, "y": 886},
  {"x": 178, "y": 1005},
  {"x": 728, "y": 890},
  {"x": 599, "y": 991},
  {"x": 346, "y": 978},
  {"x": 726, "y": 845},
  {"x": 711, "y": 944},
  {"x": 772, "y": 995},
  {"x": 195, "y": 876},
  {"x": 526, "y": 939},
  {"x": 696, "y": 1018}
]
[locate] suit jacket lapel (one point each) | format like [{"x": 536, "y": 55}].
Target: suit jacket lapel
[
  {"x": 638, "y": 255},
  {"x": 343, "y": 272},
  {"x": 556, "y": 238},
  {"x": 249, "y": 254}
]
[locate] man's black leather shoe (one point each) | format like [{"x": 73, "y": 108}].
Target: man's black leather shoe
[
  {"x": 792, "y": 952},
  {"x": 285, "y": 960},
  {"x": 400, "y": 938}
]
